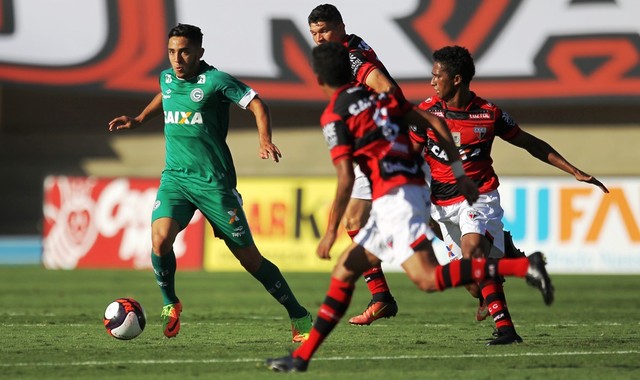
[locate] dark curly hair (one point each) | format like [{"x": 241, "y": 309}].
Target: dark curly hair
[
  {"x": 456, "y": 61},
  {"x": 331, "y": 64}
]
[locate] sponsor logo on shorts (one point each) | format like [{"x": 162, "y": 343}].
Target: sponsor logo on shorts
[{"x": 234, "y": 216}]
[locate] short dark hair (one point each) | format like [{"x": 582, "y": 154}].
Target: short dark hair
[
  {"x": 331, "y": 64},
  {"x": 325, "y": 13},
  {"x": 456, "y": 61},
  {"x": 190, "y": 32}
]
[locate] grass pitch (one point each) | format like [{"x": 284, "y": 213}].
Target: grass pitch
[{"x": 51, "y": 327}]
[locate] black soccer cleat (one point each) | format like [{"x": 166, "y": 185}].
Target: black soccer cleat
[
  {"x": 510, "y": 249},
  {"x": 504, "y": 336},
  {"x": 287, "y": 364},
  {"x": 538, "y": 277}
]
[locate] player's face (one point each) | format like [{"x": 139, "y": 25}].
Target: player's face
[
  {"x": 184, "y": 57},
  {"x": 323, "y": 32},
  {"x": 442, "y": 83}
]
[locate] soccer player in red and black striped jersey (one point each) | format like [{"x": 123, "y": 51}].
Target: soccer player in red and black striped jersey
[
  {"x": 475, "y": 230},
  {"x": 372, "y": 130},
  {"x": 326, "y": 25}
]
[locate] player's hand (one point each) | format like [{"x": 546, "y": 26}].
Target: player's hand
[
  {"x": 324, "y": 247},
  {"x": 584, "y": 177},
  {"x": 123, "y": 122},
  {"x": 270, "y": 150},
  {"x": 468, "y": 189}
]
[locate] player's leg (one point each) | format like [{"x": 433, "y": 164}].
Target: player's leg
[
  {"x": 171, "y": 213},
  {"x": 483, "y": 236},
  {"x": 269, "y": 275},
  {"x": 226, "y": 215},
  {"x": 382, "y": 304},
  {"x": 347, "y": 270}
]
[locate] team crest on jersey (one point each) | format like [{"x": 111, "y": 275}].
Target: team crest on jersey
[
  {"x": 167, "y": 78},
  {"x": 197, "y": 95},
  {"x": 480, "y": 132},
  {"x": 202, "y": 79}
]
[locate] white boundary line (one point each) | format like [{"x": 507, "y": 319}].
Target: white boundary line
[{"x": 341, "y": 358}]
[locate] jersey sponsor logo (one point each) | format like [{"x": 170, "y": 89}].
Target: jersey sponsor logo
[
  {"x": 202, "y": 79},
  {"x": 180, "y": 117},
  {"x": 518, "y": 58},
  {"x": 330, "y": 135},
  {"x": 457, "y": 138},
  {"x": 507, "y": 119},
  {"x": 480, "y": 115},
  {"x": 197, "y": 95},
  {"x": 359, "y": 106},
  {"x": 167, "y": 94}
]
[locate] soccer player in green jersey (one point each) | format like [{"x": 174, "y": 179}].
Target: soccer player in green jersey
[{"x": 199, "y": 171}]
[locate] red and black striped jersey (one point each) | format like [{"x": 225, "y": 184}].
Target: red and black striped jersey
[
  {"x": 364, "y": 60},
  {"x": 474, "y": 129},
  {"x": 365, "y": 126}
]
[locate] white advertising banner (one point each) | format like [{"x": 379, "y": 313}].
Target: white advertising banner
[{"x": 579, "y": 228}]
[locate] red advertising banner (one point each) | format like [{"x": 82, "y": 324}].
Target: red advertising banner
[{"x": 106, "y": 223}]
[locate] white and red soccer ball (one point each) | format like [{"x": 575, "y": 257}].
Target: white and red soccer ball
[{"x": 124, "y": 318}]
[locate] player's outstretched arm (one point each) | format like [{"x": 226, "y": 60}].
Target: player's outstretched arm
[
  {"x": 153, "y": 109},
  {"x": 263, "y": 122},
  {"x": 541, "y": 150}
]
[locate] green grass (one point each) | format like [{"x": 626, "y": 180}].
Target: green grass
[{"x": 51, "y": 327}]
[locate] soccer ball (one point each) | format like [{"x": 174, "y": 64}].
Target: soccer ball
[{"x": 124, "y": 318}]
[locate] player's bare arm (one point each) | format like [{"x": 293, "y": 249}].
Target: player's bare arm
[
  {"x": 344, "y": 171},
  {"x": 541, "y": 150},
  {"x": 153, "y": 109},
  {"x": 379, "y": 82},
  {"x": 260, "y": 111}
]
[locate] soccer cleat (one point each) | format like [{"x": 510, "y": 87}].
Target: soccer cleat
[
  {"x": 482, "y": 313},
  {"x": 504, "y": 336},
  {"x": 374, "y": 311},
  {"x": 538, "y": 277},
  {"x": 171, "y": 319},
  {"x": 287, "y": 364},
  {"x": 510, "y": 250},
  {"x": 301, "y": 327}
]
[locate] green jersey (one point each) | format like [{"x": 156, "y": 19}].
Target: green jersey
[{"x": 196, "y": 122}]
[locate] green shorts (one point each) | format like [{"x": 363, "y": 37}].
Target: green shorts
[{"x": 221, "y": 207}]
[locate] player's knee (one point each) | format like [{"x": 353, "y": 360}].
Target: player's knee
[
  {"x": 161, "y": 243},
  {"x": 424, "y": 282}
]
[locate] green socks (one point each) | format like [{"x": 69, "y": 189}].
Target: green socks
[
  {"x": 272, "y": 280},
  {"x": 164, "y": 268}
]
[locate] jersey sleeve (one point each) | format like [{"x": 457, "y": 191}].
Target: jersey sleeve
[
  {"x": 417, "y": 133},
  {"x": 360, "y": 66},
  {"x": 234, "y": 90},
  {"x": 505, "y": 126},
  {"x": 338, "y": 139}
]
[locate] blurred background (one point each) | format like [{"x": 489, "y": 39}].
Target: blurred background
[{"x": 568, "y": 71}]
